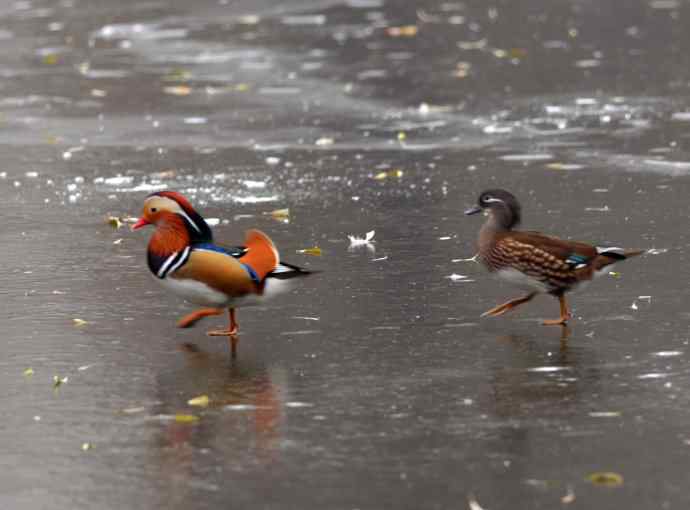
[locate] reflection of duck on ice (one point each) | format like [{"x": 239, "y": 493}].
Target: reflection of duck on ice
[{"x": 242, "y": 422}]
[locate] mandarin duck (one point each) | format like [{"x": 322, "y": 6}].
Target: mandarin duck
[
  {"x": 534, "y": 261},
  {"x": 184, "y": 258}
]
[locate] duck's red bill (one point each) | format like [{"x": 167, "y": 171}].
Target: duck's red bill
[{"x": 141, "y": 223}]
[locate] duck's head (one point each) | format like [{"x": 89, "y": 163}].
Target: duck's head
[
  {"x": 502, "y": 207},
  {"x": 172, "y": 208}
]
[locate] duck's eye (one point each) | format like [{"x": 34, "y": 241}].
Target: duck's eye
[{"x": 153, "y": 209}]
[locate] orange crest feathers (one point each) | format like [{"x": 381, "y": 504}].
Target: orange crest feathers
[
  {"x": 177, "y": 197},
  {"x": 262, "y": 255}
]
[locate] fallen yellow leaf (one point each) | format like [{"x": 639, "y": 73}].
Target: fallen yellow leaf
[
  {"x": 51, "y": 59},
  {"x": 201, "y": 401},
  {"x": 86, "y": 446},
  {"x": 316, "y": 251},
  {"x": 114, "y": 221},
  {"x": 390, "y": 173},
  {"x": 186, "y": 418},
  {"x": 280, "y": 214},
  {"x": 79, "y": 322},
  {"x": 29, "y": 372},
  {"x": 59, "y": 381},
  {"x": 605, "y": 479}
]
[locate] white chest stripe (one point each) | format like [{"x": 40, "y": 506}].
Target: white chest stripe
[
  {"x": 166, "y": 264},
  {"x": 183, "y": 258},
  {"x": 173, "y": 262}
]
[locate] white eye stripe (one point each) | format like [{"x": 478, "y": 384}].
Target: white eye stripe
[
  {"x": 185, "y": 216},
  {"x": 489, "y": 200}
]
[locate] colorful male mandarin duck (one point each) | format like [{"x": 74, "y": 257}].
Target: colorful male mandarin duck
[
  {"x": 533, "y": 261},
  {"x": 182, "y": 255}
]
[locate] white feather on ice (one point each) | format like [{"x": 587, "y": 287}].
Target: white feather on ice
[{"x": 367, "y": 240}]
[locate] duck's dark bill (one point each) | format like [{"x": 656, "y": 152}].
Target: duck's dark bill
[{"x": 473, "y": 210}]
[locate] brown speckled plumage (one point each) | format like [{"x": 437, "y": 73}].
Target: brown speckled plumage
[
  {"x": 538, "y": 256},
  {"x": 540, "y": 263}
]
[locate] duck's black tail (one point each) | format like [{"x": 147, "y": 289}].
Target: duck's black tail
[
  {"x": 608, "y": 256},
  {"x": 285, "y": 271}
]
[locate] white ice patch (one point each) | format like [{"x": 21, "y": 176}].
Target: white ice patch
[
  {"x": 120, "y": 180},
  {"x": 527, "y": 157},
  {"x": 459, "y": 278},
  {"x": 253, "y": 199},
  {"x": 667, "y": 354},
  {"x": 548, "y": 369},
  {"x": 253, "y": 184}
]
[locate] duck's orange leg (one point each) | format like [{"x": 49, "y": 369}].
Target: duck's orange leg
[
  {"x": 231, "y": 332},
  {"x": 189, "y": 320},
  {"x": 565, "y": 314},
  {"x": 505, "y": 307}
]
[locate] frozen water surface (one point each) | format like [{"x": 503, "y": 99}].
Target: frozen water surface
[{"x": 375, "y": 384}]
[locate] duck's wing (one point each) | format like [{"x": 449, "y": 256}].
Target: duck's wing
[
  {"x": 555, "y": 262},
  {"x": 219, "y": 271},
  {"x": 233, "y": 251}
]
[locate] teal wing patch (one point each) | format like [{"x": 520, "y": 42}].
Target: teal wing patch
[{"x": 577, "y": 260}]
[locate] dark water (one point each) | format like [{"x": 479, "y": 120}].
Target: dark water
[{"x": 375, "y": 384}]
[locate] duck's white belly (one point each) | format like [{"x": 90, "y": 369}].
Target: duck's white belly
[
  {"x": 272, "y": 287},
  {"x": 201, "y": 294},
  {"x": 194, "y": 291},
  {"x": 521, "y": 280}
]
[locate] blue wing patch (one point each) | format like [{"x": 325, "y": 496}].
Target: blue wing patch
[
  {"x": 235, "y": 251},
  {"x": 577, "y": 260},
  {"x": 252, "y": 274}
]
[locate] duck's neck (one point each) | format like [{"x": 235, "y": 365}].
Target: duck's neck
[
  {"x": 495, "y": 223},
  {"x": 171, "y": 236}
]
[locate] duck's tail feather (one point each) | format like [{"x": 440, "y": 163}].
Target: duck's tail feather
[
  {"x": 262, "y": 255},
  {"x": 608, "y": 256},
  {"x": 285, "y": 271}
]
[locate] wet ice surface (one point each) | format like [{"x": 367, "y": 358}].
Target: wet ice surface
[{"x": 375, "y": 384}]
